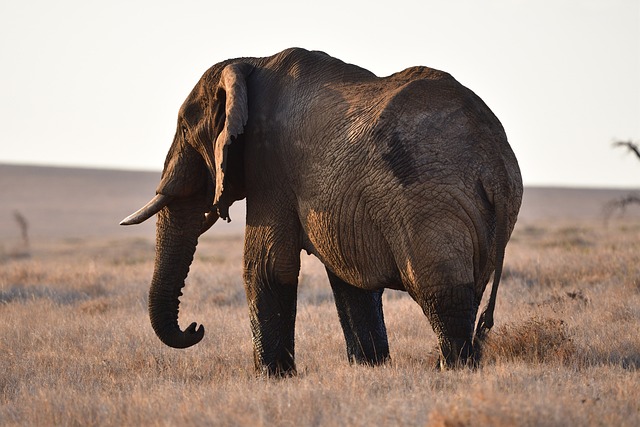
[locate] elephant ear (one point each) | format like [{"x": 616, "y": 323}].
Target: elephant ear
[{"x": 236, "y": 109}]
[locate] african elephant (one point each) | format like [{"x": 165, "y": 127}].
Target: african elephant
[{"x": 404, "y": 182}]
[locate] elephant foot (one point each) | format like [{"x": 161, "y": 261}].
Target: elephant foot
[
  {"x": 374, "y": 353},
  {"x": 452, "y": 311},
  {"x": 281, "y": 365},
  {"x": 370, "y": 360},
  {"x": 269, "y": 372},
  {"x": 456, "y": 353}
]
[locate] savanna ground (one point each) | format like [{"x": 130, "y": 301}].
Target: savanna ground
[{"x": 77, "y": 347}]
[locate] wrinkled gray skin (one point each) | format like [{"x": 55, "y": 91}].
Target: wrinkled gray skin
[{"x": 404, "y": 182}]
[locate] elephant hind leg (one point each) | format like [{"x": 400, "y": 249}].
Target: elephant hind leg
[
  {"x": 362, "y": 321},
  {"x": 451, "y": 310},
  {"x": 444, "y": 286}
]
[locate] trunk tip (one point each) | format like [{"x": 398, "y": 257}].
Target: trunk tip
[
  {"x": 193, "y": 334},
  {"x": 198, "y": 333},
  {"x": 190, "y": 337}
]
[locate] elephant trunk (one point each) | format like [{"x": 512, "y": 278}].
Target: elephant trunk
[{"x": 178, "y": 229}]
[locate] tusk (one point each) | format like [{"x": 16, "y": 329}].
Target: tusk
[
  {"x": 148, "y": 210},
  {"x": 209, "y": 219}
]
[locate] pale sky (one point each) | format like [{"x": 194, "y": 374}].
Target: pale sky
[{"x": 99, "y": 84}]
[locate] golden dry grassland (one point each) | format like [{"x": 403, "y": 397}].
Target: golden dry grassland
[{"x": 77, "y": 347}]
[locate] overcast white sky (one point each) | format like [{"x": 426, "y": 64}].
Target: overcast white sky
[{"x": 99, "y": 84}]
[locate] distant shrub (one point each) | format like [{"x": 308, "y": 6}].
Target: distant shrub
[{"x": 621, "y": 204}]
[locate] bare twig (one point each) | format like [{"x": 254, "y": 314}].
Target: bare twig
[
  {"x": 620, "y": 205},
  {"x": 630, "y": 145},
  {"x": 24, "y": 228}
]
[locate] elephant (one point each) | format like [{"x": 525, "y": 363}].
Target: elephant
[{"x": 403, "y": 182}]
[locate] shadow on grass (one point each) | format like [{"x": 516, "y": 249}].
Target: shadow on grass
[
  {"x": 630, "y": 361},
  {"x": 23, "y": 294}
]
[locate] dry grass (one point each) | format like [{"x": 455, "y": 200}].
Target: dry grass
[{"x": 77, "y": 347}]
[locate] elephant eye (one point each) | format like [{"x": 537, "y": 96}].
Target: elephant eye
[{"x": 185, "y": 131}]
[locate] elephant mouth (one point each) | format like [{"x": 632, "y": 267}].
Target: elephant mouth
[{"x": 210, "y": 218}]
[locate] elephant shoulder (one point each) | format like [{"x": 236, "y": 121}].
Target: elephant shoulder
[{"x": 311, "y": 65}]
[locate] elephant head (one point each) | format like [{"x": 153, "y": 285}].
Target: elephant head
[{"x": 197, "y": 186}]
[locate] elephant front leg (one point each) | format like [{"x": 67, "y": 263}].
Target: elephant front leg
[
  {"x": 272, "y": 308},
  {"x": 362, "y": 321},
  {"x": 271, "y": 283}
]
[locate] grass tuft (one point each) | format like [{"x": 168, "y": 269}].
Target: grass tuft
[{"x": 536, "y": 340}]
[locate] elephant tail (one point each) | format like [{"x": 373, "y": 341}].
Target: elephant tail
[{"x": 485, "y": 322}]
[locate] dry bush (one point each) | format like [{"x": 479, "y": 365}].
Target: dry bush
[{"x": 536, "y": 340}]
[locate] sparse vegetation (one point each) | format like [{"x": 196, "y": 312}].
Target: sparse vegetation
[
  {"x": 622, "y": 203},
  {"x": 23, "y": 224},
  {"x": 78, "y": 348},
  {"x": 21, "y": 250}
]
